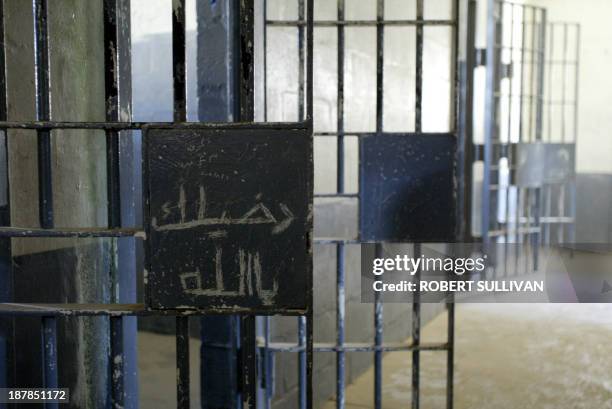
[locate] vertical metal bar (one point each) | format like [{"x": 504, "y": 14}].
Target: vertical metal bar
[
  {"x": 416, "y": 334},
  {"x": 450, "y": 306},
  {"x": 178, "y": 61},
  {"x": 418, "y": 127},
  {"x": 419, "y": 69},
  {"x": 541, "y": 54},
  {"x": 576, "y": 82},
  {"x": 340, "y": 100},
  {"x": 265, "y": 60},
  {"x": 5, "y": 215},
  {"x": 49, "y": 346},
  {"x": 522, "y": 120},
  {"x": 267, "y": 368},
  {"x": 450, "y": 354},
  {"x": 378, "y": 306},
  {"x": 551, "y": 66},
  {"x": 43, "y": 112},
  {"x": 302, "y": 364},
  {"x": 300, "y": 61},
  {"x": 468, "y": 126},
  {"x": 310, "y": 118},
  {"x": 490, "y": 124},
  {"x": 111, "y": 77},
  {"x": 310, "y": 61},
  {"x": 246, "y": 114},
  {"x": 246, "y": 60},
  {"x": 563, "y": 83},
  {"x": 340, "y": 294},
  {"x": 378, "y": 341},
  {"x": 340, "y": 310},
  {"x": 182, "y": 362},
  {"x": 180, "y": 115},
  {"x": 248, "y": 334},
  {"x": 117, "y": 363}
]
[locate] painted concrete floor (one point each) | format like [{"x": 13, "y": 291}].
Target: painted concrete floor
[{"x": 507, "y": 356}]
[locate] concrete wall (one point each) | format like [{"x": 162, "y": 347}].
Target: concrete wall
[{"x": 53, "y": 270}]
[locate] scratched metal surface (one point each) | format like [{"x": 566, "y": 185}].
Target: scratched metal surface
[{"x": 229, "y": 218}]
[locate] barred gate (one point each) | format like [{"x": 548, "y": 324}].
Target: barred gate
[
  {"x": 528, "y": 146},
  {"x": 398, "y": 113},
  {"x": 423, "y": 128}
]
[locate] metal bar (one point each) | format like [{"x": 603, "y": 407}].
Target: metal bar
[
  {"x": 358, "y": 347},
  {"x": 178, "y": 61},
  {"x": 246, "y": 61},
  {"x": 246, "y": 112},
  {"x": 576, "y": 81},
  {"x": 539, "y": 124},
  {"x": 71, "y": 309},
  {"x": 340, "y": 250},
  {"x": 180, "y": 115},
  {"x": 301, "y": 61},
  {"x": 265, "y": 60},
  {"x": 248, "y": 335},
  {"x": 563, "y": 83},
  {"x": 182, "y": 363},
  {"x": 450, "y": 354},
  {"x": 111, "y": 77},
  {"x": 47, "y": 125},
  {"x": 43, "y": 112},
  {"x": 117, "y": 359},
  {"x": 302, "y": 363},
  {"x": 49, "y": 346},
  {"x": 378, "y": 305},
  {"x": 340, "y": 311},
  {"x": 419, "y": 70},
  {"x": 70, "y": 232},
  {"x": 267, "y": 367},
  {"x": 490, "y": 125},
  {"x": 360, "y": 23},
  {"x": 416, "y": 335},
  {"x": 5, "y": 217}
]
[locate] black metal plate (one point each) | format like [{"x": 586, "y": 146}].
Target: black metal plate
[
  {"x": 229, "y": 218},
  {"x": 407, "y": 188}
]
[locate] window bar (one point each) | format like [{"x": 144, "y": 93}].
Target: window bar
[
  {"x": 111, "y": 77},
  {"x": 180, "y": 115},
  {"x": 378, "y": 305},
  {"x": 340, "y": 246},
  {"x": 49, "y": 344},
  {"x": 418, "y": 127}
]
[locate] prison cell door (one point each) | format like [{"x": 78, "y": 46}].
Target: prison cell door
[
  {"x": 384, "y": 121},
  {"x": 525, "y": 153}
]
